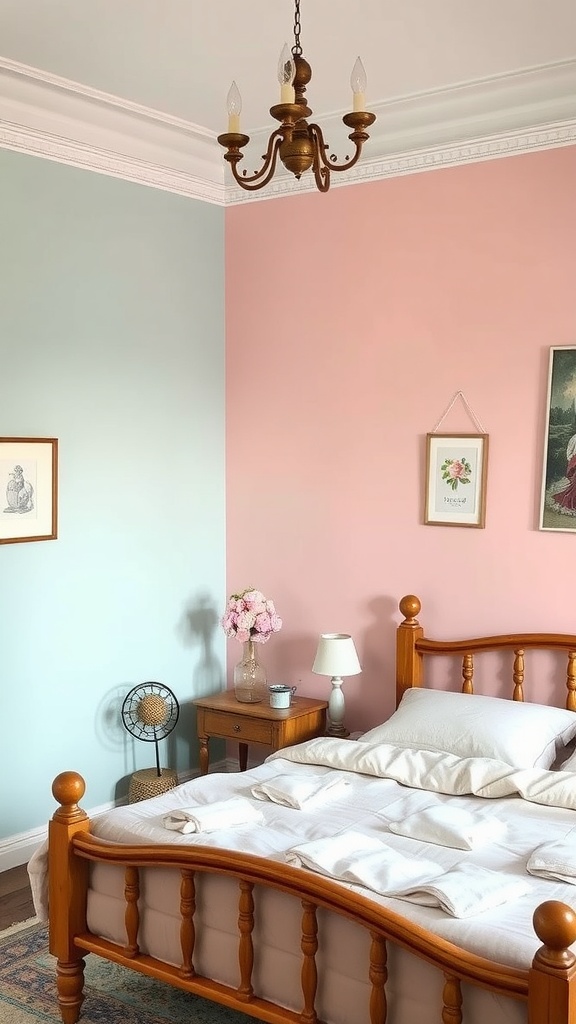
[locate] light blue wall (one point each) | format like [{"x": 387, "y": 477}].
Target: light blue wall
[{"x": 111, "y": 340}]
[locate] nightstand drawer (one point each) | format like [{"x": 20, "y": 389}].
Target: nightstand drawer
[{"x": 238, "y": 727}]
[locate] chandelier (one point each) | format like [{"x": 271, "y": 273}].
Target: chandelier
[{"x": 298, "y": 142}]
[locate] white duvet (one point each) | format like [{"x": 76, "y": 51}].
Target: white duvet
[
  {"x": 438, "y": 772},
  {"x": 385, "y": 786}
]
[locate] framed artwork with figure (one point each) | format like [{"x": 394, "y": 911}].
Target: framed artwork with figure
[
  {"x": 456, "y": 473},
  {"x": 28, "y": 489},
  {"x": 558, "y": 496}
]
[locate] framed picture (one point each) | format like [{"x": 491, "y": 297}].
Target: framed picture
[
  {"x": 456, "y": 470},
  {"x": 558, "y": 498},
  {"x": 28, "y": 489}
]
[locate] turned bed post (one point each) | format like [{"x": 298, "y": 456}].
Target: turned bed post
[
  {"x": 409, "y": 663},
  {"x": 67, "y": 891},
  {"x": 552, "y": 978}
]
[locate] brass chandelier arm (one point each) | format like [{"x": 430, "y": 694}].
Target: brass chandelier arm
[
  {"x": 358, "y": 137},
  {"x": 260, "y": 178},
  {"x": 329, "y": 162},
  {"x": 321, "y": 177},
  {"x": 320, "y": 168}
]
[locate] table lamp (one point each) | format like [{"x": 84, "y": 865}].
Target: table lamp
[{"x": 336, "y": 657}]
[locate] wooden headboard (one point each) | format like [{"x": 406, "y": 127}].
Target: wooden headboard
[{"x": 412, "y": 646}]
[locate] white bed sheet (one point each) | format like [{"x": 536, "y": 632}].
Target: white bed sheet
[{"x": 368, "y": 803}]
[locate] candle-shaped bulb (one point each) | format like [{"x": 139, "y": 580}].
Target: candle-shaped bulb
[
  {"x": 358, "y": 81},
  {"x": 234, "y": 106},
  {"x": 286, "y": 72}
]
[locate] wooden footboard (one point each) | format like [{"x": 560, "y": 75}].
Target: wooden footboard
[{"x": 549, "y": 988}]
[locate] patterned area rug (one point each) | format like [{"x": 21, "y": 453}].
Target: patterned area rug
[{"x": 113, "y": 994}]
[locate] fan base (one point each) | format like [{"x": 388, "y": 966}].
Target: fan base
[{"x": 146, "y": 783}]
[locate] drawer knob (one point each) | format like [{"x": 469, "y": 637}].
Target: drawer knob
[{"x": 236, "y": 728}]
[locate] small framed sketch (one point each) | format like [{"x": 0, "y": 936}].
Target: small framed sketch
[
  {"x": 456, "y": 471},
  {"x": 558, "y": 497},
  {"x": 28, "y": 489}
]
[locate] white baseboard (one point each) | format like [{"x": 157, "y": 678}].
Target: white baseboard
[{"x": 18, "y": 848}]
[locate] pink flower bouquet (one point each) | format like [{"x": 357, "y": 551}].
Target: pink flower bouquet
[{"x": 249, "y": 616}]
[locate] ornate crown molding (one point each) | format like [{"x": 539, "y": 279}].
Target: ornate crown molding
[
  {"x": 51, "y": 117},
  {"x": 45, "y": 115}
]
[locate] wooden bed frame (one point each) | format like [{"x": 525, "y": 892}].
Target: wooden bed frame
[{"x": 548, "y": 988}]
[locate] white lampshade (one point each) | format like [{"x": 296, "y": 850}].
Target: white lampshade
[{"x": 336, "y": 656}]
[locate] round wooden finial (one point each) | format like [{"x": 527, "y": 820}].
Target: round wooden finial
[
  {"x": 68, "y": 788},
  {"x": 410, "y": 607},
  {"x": 555, "y": 925}
]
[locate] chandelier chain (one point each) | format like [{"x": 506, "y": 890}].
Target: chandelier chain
[{"x": 297, "y": 49}]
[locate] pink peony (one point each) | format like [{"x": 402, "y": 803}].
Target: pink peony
[
  {"x": 263, "y": 623},
  {"x": 255, "y": 601},
  {"x": 245, "y": 621}
]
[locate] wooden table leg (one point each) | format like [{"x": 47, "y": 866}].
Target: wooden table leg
[
  {"x": 204, "y": 755},
  {"x": 243, "y": 756}
]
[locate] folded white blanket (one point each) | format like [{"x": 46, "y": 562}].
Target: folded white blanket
[
  {"x": 468, "y": 889},
  {"x": 296, "y": 792},
  {"x": 363, "y": 860},
  {"x": 210, "y": 817},
  {"x": 449, "y": 826},
  {"x": 463, "y": 891},
  {"x": 555, "y": 860}
]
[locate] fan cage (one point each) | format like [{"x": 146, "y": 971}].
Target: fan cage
[{"x": 149, "y": 713}]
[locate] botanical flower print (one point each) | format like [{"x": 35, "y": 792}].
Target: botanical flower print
[{"x": 456, "y": 471}]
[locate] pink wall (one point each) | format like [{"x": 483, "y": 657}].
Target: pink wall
[{"x": 352, "y": 319}]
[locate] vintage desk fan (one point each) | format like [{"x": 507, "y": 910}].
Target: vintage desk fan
[{"x": 149, "y": 713}]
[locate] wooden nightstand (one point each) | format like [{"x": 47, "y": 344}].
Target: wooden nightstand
[{"x": 223, "y": 716}]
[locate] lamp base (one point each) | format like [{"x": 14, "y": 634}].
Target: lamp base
[
  {"x": 335, "y": 729},
  {"x": 336, "y": 709}
]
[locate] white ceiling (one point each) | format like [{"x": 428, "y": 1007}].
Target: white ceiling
[{"x": 179, "y": 56}]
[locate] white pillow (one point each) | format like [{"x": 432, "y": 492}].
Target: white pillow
[{"x": 470, "y": 725}]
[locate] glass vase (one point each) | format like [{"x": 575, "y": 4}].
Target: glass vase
[{"x": 249, "y": 676}]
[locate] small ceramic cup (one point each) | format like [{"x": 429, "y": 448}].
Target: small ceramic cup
[{"x": 281, "y": 695}]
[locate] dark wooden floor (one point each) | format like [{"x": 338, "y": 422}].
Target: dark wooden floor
[{"x": 15, "y": 897}]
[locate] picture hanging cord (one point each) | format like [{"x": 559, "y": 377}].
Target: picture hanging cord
[{"x": 456, "y": 395}]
